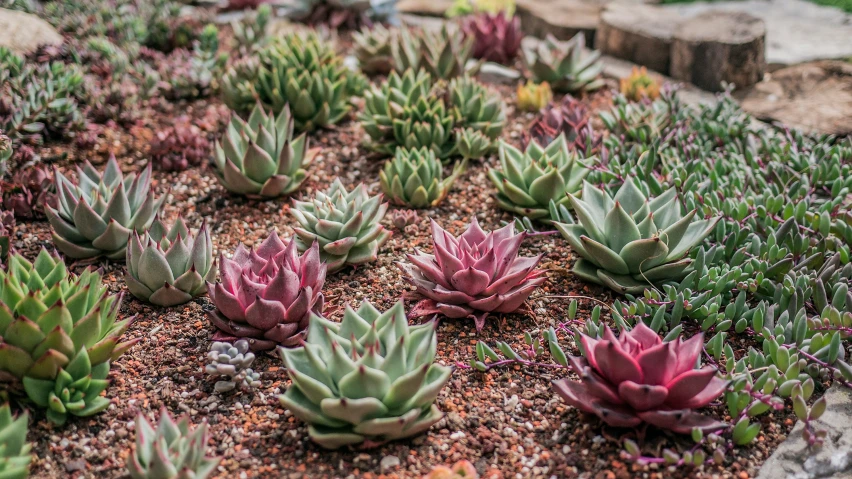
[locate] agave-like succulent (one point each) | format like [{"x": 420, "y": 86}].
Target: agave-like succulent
[
  {"x": 639, "y": 85},
  {"x": 48, "y": 315},
  {"x": 172, "y": 451},
  {"x": 231, "y": 361},
  {"x": 497, "y": 37},
  {"x": 529, "y": 180},
  {"x": 367, "y": 380},
  {"x": 96, "y": 216},
  {"x": 266, "y": 296},
  {"x": 384, "y": 104},
  {"x": 473, "y": 275},
  {"x": 628, "y": 242},
  {"x": 534, "y": 96},
  {"x": 443, "y": 54},
  {"x": 415, "y": 178},
  {"x": 260, "y": 158},
  {"x": 168, "y": 267},
  {"x": 372, "y": 48},
  {"x": 476, "y": 107},
  {"x": 15, "y": 454},
  {"x": 638, "y": 378},
  {"x": 472, "y": 144},
  {"x": 345, "y": 223},
  {"x": 567, "y": 66},
  {"x": 572, "y": 119}
]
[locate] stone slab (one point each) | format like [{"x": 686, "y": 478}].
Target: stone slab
[{"x": 23, "y": 32}]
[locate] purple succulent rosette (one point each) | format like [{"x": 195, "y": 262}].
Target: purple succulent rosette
[
  {"x": 267, "y": 296},
  {"x": 473, "y": 275},
  {"x": 638, "y": 378}
]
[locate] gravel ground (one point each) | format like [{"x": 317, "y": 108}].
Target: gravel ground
[{"x": 508, "y": 422}]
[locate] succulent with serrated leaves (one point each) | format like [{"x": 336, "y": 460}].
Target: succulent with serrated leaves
[
  {"x": 336, "y": 14},
  {"x": 534, "y": 96},
  {"x": 259, "y": 158},
  {"x": 232, "y": 361},
  {"x": 567, "y": 66},
  {"x": 529, "y": 180},
  {"x": 472, "y": 275},
  {"x": 15, "y": 457},
  {"x": 629, "y": 242},
  {"x": 367, "y": 380},
  {"x": 266, "y": 296},
  {"x": 476, "y": 107},
  {"x": 497, "y": 37},
  {"x": 639, "y": 85},
  {"x": 48, "y": 315},
  {"x": 415, "y": 178},
  {"x": 168, "y": 267},
  {"x": 344, "y": 223},
  {"x": 384, "y": 104},
  {"x": 172, "y": 451},
  {"x": 96, "y": 215},
  {"x": 372, "y": 48},
  {"x": 300, "y": 70},
  {"x": 443, "y": 54},
  {"x": 472, "y": 144}
]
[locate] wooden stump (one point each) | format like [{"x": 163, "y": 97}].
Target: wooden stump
[
  {"x": 719, "y": 46},
  {"x": 640, "y": 34}
]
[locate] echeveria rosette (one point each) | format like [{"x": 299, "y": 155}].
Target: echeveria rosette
[
  {"x": 415, "y": 178},
  {"x": 637, "y": 378},
  {"x": 568, "y": 67},
  {"x": 267, "y": 295},
  {"x": 95, "y": 216},
  {"x": 476, "y": 107},
  {"x": 15, "y": 457},
  {"x": 168, "y": 267},
  {"x": 443, "y": 54},
  {"x": 473, "y": 275},
  {"x": 530, "y": 180},
  {"x": 344, "y": 223},
  {"x": 497, "y": 36},
  {"x": 76, "y": 389},
  {"x": 628, "y": 242},
  {"x": 367, "y": 380},
  {"x": 386, "y": 102},
  {"x": 259, "y": 158},
  {"x": 47, "y": 315},
  {"x": 172, "y": 451}
]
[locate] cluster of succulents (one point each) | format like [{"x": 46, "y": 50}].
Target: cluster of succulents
[
  {"x": 477, "y": 108},
  {"x": 415, "y": 178},
  {"x": 251, "y": 33},
  {"x": 343, "y": 13},
  {"x": 639, "y": 85},
  {"x": 179, "y": 146},
  {"x": 570, "y": 118},
  {"x": 173, "y": 450},
  {"x": 15, "y": 457},
  {"x": 497, "y": 37},
  {"x": 567, "y": 66},
  {"x": 259, "y": 158},
  {"x": 534, "y": 96},
  {"x": 442, "y": 54},
  {"x": 367, "y": 380},
  {"x": 372, "y": 49},
  {"x": 30, "y": 190},
  {"x": 232, "y": 362}
]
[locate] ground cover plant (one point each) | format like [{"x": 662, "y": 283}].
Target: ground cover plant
[{"x": 595, "y": 278}]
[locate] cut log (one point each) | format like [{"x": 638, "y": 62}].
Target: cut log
[
  {"x": 640, "y": 34},
  {"x": 561, "y": 18},
  {"x": 716, "y": 47}
]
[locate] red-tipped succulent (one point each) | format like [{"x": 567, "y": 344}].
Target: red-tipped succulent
[
  {"x": 29, "y": 191},
  {"x": 570, "y": 118},
  {"x": 497, "y": 38},
  {"x": 179, "y": 146},
  {"x": 473, "y": 275},
  {"x": 638, "y": 378},
  {"x": 267, "y": 295}
]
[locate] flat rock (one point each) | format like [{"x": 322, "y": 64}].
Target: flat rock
[
  {"x": 794, "y": 460},
  {"x": 796, "y": 30},
  {"x": 23, "y": 32},
  {"x": 813, "y": 97}
]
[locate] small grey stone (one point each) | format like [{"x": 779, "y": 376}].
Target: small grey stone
[
  {"x": 496, "y": 73},
  {"x": 389, "y": 462}
]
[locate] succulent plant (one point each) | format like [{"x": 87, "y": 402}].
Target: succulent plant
[
  {"x": 15, "y": 454},
  {"x": 534, "y": 96},
  {"x": 266, "y": 296},
  {"x": 400, "y": 219},
  {"x": 336, "y": 14},
  {"x": 639, "y": 85},
  {"x": 367, "y": 380},
  {"x": 96, "y": 216},
  {"x": 75, "y": 390},
  {"x": 567, "y": 66},
  {"x": 5, "y": 152},
  {"x": 529, "y": 180},
  {"x": 461, "y": 470},
  {"x": 637, "y": 378},
  {"x": 7, "y": 229},
  {"x": 30, "y": 191},
  {"x": 232, "y": 361},
  {"x": 172, "y": 451},
  {"x": 415, "y": 178},
  {"x": 461, "y": 8},
  {"x": 571, "y": 119},
  {"x": 425, "y": 124},
  {"x": 472, "y": 144},
  {"x": 260, "y": 158},
  {"x": 168, "y": 267},
  {"x": 497, "y": 37},
  {"x": 476, "y": 107},
  {"x": 472, "y": 275},
  {"x": 179, "y": 146},
  {"x": 251, "y": 33},
  {"x": 628, "y": 242},
  {"x": 372, "y": 48},
  {"x": 48, "y": 315},
  {"x": 299, "y": 70},
  {"x": 443, "y": 54},
  {"x": 345, "y": 223}
]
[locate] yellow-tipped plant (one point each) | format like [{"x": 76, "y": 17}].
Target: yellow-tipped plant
[
  {"x": 640, "y": 85},
  {"x": 534, "y": 96}
]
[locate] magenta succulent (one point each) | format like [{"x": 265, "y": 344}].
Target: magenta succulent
[
  {"x": 268, "y": 295},
  {"x": 497, "y": 38},
  {"x": 570, "y": 118},
  {"x": 473, "y": 275},
  {"x": 638, "y": 378}
]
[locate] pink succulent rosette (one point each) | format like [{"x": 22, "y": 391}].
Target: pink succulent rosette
[
  {"x": 267, "y": 296},
  {"x": 638, "y": 378},
  {"x": 473, "y": 275}
]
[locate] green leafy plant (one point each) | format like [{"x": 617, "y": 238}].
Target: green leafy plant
[
  {"x": 415, "y": 178},
  {"x": 443, "y": 54},
  {"x": 15, "y": 454},
  {"x": 567, "y": 66}
]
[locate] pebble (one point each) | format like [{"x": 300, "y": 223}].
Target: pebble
[{"x": 389, "y": 462}]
